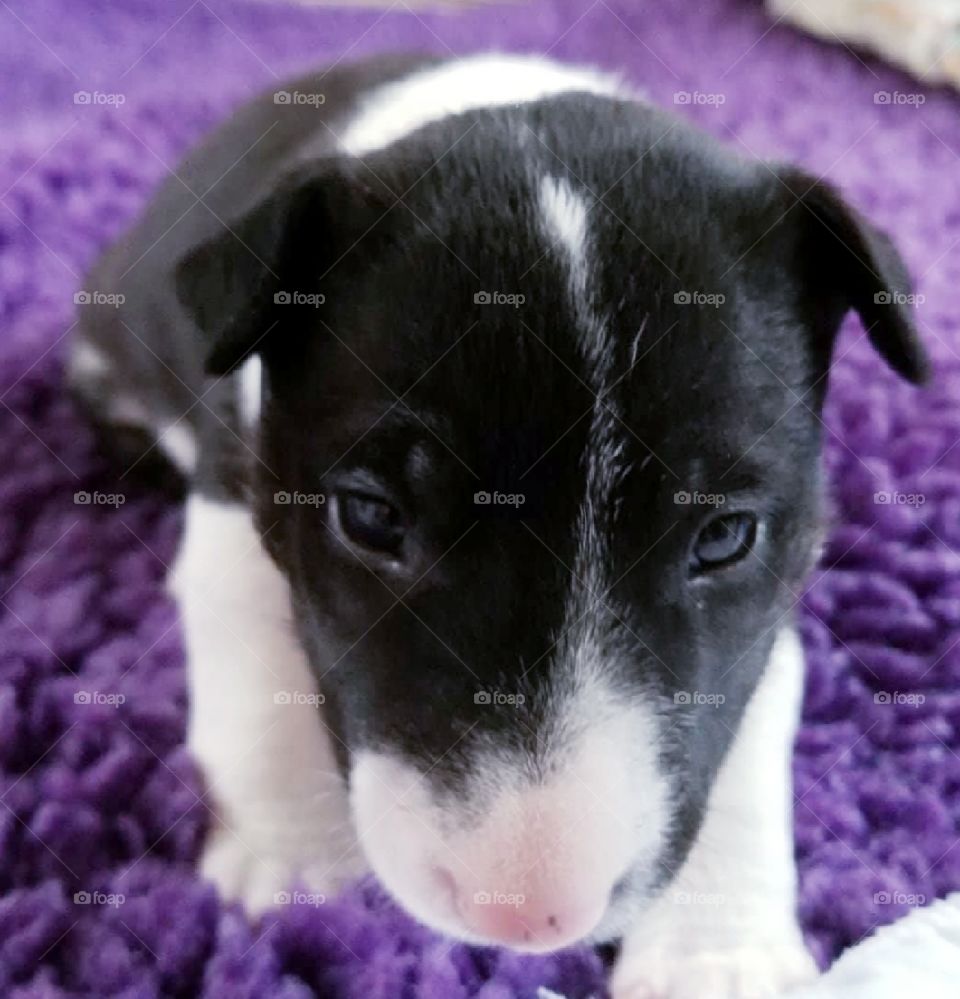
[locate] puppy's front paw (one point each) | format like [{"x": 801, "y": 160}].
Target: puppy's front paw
[
  {"x": 261, "y": 871},
  {"x": 755, "y": 970},
  {"x": 276, "y": 827}
]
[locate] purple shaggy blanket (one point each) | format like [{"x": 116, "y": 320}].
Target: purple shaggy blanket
[{"x": 101, "y": 821}]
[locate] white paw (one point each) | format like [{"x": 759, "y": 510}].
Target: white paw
[
  {"x": 276, "y": 830},
  {"x": 260, "y": 876},
  {"x": 757, "y": 970},
  {"x": 260, "y": 865}
]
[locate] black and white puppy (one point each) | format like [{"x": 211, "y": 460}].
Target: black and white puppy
[{"x": 498, "y": 392}]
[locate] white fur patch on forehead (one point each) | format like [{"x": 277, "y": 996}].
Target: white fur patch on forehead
[
  {"x": 589, "y": 620},
  {"x": 564, "y": 218},
  {"x": 565, "y": 214},
  {"x": 483, "y": 81}
]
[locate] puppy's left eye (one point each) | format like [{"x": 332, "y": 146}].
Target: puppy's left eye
[
  {"x": 725, "y": 540},
  {"x": 369, "y": 521}
]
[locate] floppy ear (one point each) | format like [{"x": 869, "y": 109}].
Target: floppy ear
[
  {"x": 236, "y": 286},
  {"x": 857, "y": 267}
]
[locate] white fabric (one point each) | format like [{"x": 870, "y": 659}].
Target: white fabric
[{"x": 917, "y": 956}]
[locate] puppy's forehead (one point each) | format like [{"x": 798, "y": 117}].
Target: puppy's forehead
[
  {"x": 537, "y": 355},
  {"x": 541, "y": 256},
  {"x": 562, "y": 322},
  {"x": 577, "y": 191}
]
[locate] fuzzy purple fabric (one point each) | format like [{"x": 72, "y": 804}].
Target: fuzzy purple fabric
[{"x": 100, "y": 797}]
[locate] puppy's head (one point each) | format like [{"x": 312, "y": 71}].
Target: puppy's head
[{"x": 559, "y": 382}]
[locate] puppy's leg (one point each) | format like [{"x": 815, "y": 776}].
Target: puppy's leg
[
  {"x": 726, "y": 927},
  {"x": 254, "y": 724}
]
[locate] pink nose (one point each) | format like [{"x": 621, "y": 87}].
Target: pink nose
[{"x": 542, "y": 921}]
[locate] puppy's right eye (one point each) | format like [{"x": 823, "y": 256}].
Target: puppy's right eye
[
  {"x": 724, "y": 540},
  {"x": 370, "y": 522}
]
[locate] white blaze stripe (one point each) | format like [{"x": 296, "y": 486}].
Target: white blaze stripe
[
  {"x": 483, "y": 81},
  {"x": 248, "y": 392},
  {"x": 565, "y": 216}
]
